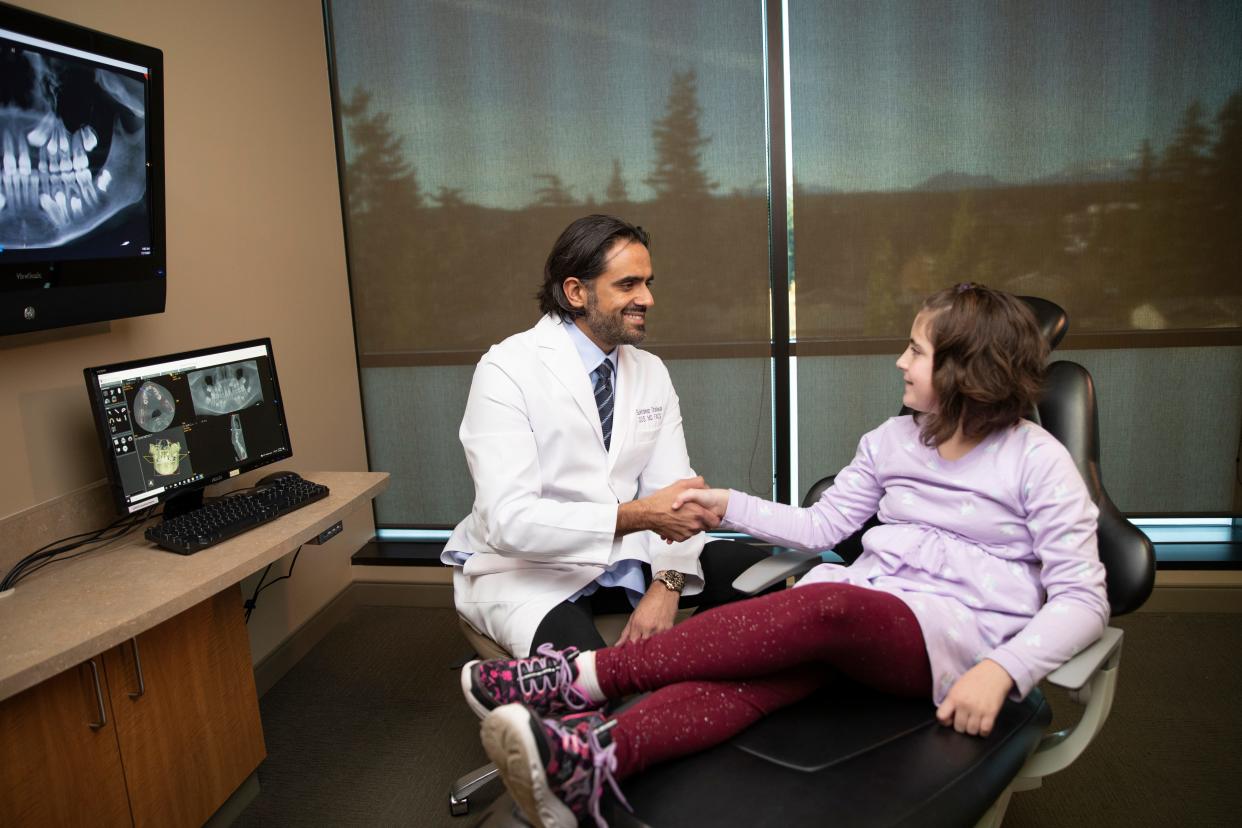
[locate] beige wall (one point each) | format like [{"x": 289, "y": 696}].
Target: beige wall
[{"x": 255, "y": 248}]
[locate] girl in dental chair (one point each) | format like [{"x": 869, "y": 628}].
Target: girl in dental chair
[{"x": 982, "y": 578}]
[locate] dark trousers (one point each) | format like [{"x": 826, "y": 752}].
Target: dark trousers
[{"x": 572, "y": 623}]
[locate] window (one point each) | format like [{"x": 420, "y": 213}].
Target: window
[
  {"x": 1091, "y": 154},
  {"x": 1086, "y": 153},
  {"x": 474, "y": 132}
]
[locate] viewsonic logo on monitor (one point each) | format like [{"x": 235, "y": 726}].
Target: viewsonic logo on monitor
[{"x": 32, "y": 275}]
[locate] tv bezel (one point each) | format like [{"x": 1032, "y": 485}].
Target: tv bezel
[
  {"x": 123, "y": 506},
  {"x": 94, "y": 290}
]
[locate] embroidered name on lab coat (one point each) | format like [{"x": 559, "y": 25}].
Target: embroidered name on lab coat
[{"x": 650, "y": 416}]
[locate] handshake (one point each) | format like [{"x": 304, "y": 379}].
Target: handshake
[{"x": 676, "y": 512}]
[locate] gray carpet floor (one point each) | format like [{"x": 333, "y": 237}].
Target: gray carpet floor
[{"x": 370, "y": 729}]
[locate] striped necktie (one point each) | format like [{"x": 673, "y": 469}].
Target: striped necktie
[{"x": 603, "y": 399}]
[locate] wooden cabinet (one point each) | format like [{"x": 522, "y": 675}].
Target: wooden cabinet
[
  {"x": 182, "y": 730},
  {"x": 59, "y": 759}
]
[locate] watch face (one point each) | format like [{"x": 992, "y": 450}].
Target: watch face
[{"x": 673, "y": 580}]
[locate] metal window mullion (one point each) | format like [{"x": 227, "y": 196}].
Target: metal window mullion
[{"x": 779, "y": 236}]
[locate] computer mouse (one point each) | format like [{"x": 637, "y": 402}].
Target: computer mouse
[{"x": 277, "y": 478}]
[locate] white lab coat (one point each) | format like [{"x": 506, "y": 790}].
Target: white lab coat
[{"x": 546, "y": 491}]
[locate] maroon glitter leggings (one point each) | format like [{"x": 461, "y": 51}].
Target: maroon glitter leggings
[{"x": 719, "y": 672}]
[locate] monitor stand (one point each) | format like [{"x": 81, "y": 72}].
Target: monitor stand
[{"x": 178, "y": 505}]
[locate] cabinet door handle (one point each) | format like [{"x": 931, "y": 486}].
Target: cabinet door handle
[
  {"x": 99, "y": 699},
  {"x": 142, "y": 687}
]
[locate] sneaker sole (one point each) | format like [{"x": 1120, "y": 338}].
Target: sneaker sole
[
  {"x": 510, "y": 743},
  {"x": 467, "y": 690}
]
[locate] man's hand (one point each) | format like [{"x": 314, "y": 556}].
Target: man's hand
[
  {"x": 655, "y": 513},
  {"x": 654, "y": 613},
  {"x": 976, "y": 698}
]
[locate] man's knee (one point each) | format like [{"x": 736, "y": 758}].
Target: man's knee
[
  {"x": 730, "y": 558},
  {"x": 723, "y": 561},
  {"x": 568, "y": 625}
]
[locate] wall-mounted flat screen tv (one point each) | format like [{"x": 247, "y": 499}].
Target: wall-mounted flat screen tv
[{"x": 82, "y": 178}]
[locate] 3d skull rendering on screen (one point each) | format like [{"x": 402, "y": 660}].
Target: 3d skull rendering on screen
[
  {"x": 74, "y": 150},
  {"x": 165, "y": 456}
]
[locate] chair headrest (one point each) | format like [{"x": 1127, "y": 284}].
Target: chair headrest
[
  {"x": 1068, "y": 411},
  {"x": 1052, "y": 319}
]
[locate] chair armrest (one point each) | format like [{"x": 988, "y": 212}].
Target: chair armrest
[
  {"x": 1091, "y": 677},
  {"x": 1075, "y": 673},
  {"x": 773, "y": 570}
]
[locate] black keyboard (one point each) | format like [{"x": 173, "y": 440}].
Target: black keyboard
[{"x": 221, "y": 519}]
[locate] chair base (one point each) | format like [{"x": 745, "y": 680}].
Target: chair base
[{"x": 470, "y": 784}]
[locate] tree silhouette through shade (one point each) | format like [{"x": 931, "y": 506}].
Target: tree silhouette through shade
[
  {"x": 616, "y": 191},
  {"x": 1186, "y": 159},
  {"x": 378, "y": 176},
  {"x": 449, "y": 198},
  {"x": 1227, "y": 157},
  {"x": 553, "y": 193},
  {"x": 382, "y": 199},
  {"x": 679, "y": 144}
]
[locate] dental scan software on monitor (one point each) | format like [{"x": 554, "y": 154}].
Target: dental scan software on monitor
[
  {"x": 171, "y": 425},
  {"x": 82, "y": 192}
]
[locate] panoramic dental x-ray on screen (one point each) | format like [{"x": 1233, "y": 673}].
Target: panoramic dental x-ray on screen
[{"x": 73, "y": 128}]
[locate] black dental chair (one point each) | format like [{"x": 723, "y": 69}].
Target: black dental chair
[{"x": 851, "y": 757}]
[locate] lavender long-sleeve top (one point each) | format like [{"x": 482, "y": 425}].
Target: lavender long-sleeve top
[{"x": 994, "y": 553}]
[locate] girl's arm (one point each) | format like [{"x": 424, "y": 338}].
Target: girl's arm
[
  {"x": 1063, "y": 523},
  {"x": 840, "y": 511}
]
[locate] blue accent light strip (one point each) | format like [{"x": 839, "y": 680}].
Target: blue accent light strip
[
  {"x": 442, "y": 535},
  {"x": 413, "y": 535},
  {"x": 1163, "y": 530}
]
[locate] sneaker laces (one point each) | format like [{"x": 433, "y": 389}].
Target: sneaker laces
[
  {"x": 550, "y": 678},
  {"x": 603, "y": 767}
]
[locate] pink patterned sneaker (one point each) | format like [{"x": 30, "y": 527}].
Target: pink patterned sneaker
[
  {"x": 555, "y": 770},
  {"x": 544, "y": 682}
]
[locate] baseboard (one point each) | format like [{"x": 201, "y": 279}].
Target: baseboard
[
  {"x": 1189, "y": 599},
  {"x": 232, "y": 808},
  {"x": 282, "y": 659},
  {"x": 358, "y": 594},
  {"x": 1196, "y": 591},
  {"x": 386, "y": 594}
]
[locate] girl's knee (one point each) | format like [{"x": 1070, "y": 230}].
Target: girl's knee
[
  {"x": 846, "y": 609},
  {"x": 836, "y": 603}
]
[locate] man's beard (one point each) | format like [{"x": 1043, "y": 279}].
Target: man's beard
[{"x": 611, "y": 328}]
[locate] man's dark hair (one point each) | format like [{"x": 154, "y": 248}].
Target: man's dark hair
[
  {"x": 987, "y": 364},
  {"x": 582, "y": 251}
]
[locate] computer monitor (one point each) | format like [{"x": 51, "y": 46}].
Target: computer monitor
[
  {"x": 82, "y": 231},
  {"x": 171, "y": 425}
]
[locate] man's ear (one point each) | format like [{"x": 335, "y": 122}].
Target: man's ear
[{"x": 575, "y": 292}]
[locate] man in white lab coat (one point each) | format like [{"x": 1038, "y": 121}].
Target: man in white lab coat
[{"x": 574, "y": 440}]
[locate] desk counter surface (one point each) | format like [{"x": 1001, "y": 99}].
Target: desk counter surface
[{"x": 74, "y": 610}]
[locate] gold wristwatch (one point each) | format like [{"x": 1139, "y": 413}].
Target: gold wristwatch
[{"x": 672, "y": 579}]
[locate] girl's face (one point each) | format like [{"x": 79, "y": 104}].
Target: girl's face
[{"x": 915, "y": 364}]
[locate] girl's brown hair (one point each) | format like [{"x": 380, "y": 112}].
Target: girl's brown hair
[{"x": 988, "y": 361}]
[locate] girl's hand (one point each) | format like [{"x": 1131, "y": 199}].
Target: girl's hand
[
  {"x": 976, "y": 698},
  {"x": 715, "y": 501}
]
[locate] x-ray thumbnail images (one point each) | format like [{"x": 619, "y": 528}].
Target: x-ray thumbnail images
[
  {"x": 74, "y": 139},
  {"x": 227, "y": 389}
]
